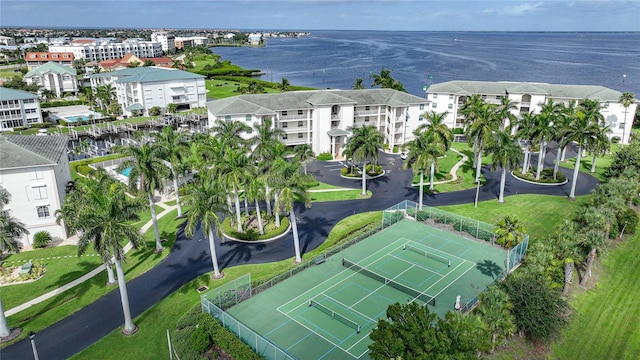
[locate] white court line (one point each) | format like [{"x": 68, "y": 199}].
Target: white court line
[
  {"x": 325, "y": 339},
  {"x": 451, "y": 282},
  {"x": 383, "y": 285},
  {"x": 414, "y": 264},
  {"x": 438, "y": 250},
  {"x": 348, "y": 307}
]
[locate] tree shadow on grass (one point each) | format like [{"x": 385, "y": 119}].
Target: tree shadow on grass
[
  {"x": 82, "y": 268},
  {"x": 147, "y": 252},
  {"x": 489, "y": 268}
]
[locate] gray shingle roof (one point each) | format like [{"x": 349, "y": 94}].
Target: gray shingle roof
[
  {"x": 53, "y": 67},
  {"x": 268, "y": 104},
  {"x": 459, "y": 87},
  {"x": 18, "y": 151},
  {"x": 13, "y": 94},
  {"x": 148, "y": 74}
]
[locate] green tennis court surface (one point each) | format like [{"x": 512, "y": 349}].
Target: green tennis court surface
[{"x": 328, "y": 310}]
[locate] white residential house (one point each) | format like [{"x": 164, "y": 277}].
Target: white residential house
[
  {"x": 166, "y": 39},
  {"x": 18, "y": 108},
  {"x": 54, "y": 77},
  {"x": 93, "y": 50},
  {"x": 35, "y": 171},
  {"x": 324, "y": 118},
  {"x": 7, "y": 41},
  {"x": 255, "y": 38},
  {"x": 529, "y": 97},
  {"x": 142, "y": 88}
]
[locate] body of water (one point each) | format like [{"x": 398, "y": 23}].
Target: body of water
[{"x": 334, "y": 59}]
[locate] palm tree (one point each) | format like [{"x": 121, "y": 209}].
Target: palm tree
[
  {"x": 559, "y": 126},
  {"x": 364, "y": 145},
  {"x": 505, "y": 112},
  {"x": 510, "y": 232},
  {"x": 385, "y": 80},
  {"x": 266, "y": 149},
  {"x": 103, "y": 221},
  {"x": 592, "y": 235},
  {"x": 470, "y": 109},
  {"x": 423, "y": 154},
  {"x": 505, "y": 153},
  {"x": 207, "y": 203},
  {"x": 148, "y": 169},
  {"x": 437, "y": 129},
  {"x": 284, "y": 85},
  {"x": 495, "y": 310},
  {"x": 584, "y": 125},
  {"x": 254, "y": 191},
  {"x": 599, "y": 144},
  {"x": 292, "y": 187},
  {"x": 566, "y": 249},
  {"x": 543, "y": 130},
  {"x": 626, "y": 99},
  {"x": 358, "y": 84},
  {"x": 173, "y": 146},
  {"x": 304, "y": 154},
  {"x": 482, "y": 130},
  {"x": 231, "y": 133},
  {"x": 524, "y": 133},
  {"x": 10, "y": 230}
]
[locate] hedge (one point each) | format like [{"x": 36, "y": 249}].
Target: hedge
[
  {"x": 265, "y": 84},
  {"x": 325, "y": 156},
  {"x": 61, "y": 103}
]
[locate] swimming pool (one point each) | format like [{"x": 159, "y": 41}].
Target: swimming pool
[
  {"x": 126, "y": 172},
  {"x": 77, "y": 118}
]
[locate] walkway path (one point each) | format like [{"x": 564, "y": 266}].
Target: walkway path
[{"x": 190, "y": 258}]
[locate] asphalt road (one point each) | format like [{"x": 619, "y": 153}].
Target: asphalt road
[{"x": 190, "y": 258}]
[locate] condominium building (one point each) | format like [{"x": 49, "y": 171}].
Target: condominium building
[
  {"x": 529, "y": 97},
  {"x": 324, "y": 118},
  {"x": 35, "y": 171},
  {"x": 7, "y": 41},
  {"x": 139, "y": 89},
  {"x": 18, "y": 108},
  {"x": 54, "y": 77},
  {"x": 166, "y": 39},
  {"x": 96, "y": 51},
  {"x": 35, "y": 59}
]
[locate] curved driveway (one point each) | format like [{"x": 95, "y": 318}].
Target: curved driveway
[{"x": 190, "y": 257}]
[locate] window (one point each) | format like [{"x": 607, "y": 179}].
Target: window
[
  {"x": 227, "y": 118},
  {"x": 43, "y": 211},
  {"x": 285, "y": 125},
  {"x": 300, "y": 135},
  {"x": 248, "y": 117},
  {"x": 299, "y": 112},
  {"x": 366, "y": 119},
  {"x": 39, "y": 192},
  {"x": 484, "y": 97},
  {"x": 434, "y": 105},
  {"x": 621, "y": 126},
  {"x": 420, "y": 118},
  {"x": 450, "y": 106},
  {"x": 421, "y": 106},
  {"x": 300, "y": 124},
  {"x": 434, "y": 96},
  {"x": 450, "y": 96},
  {"x": 284, "y": 113},
  {"x": 37, "y": 174},
  {"x": 6, "y": 213},
  {"x": 367, "y": 107},
  {"x": 284, "y": 137}
]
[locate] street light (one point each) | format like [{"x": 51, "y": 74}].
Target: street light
[{"x": 32, "y": 337}]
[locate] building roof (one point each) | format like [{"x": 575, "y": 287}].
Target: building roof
[
  {"x": 460, "y": 87},
  {"x": 148, "y": 74},
  {"x": 129, "y": 58},
  {"x": 269, "y": 104},
  {"x": 13, "y": 94},
  {"x": 17, "y": 151},
  {"x": 49, "y": 56},
  {"x": 51, "y": 67}
]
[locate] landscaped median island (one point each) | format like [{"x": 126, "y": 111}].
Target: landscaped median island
[{"x": 546, "y": 177}]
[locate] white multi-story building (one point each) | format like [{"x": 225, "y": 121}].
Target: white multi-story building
[
  {"x": 35, "y": 171},
  {"x": 142, "y": 88},
  {"x": 54, "y": 77},
  {"x": 18, "y": 108},
  {"x": 7, "y": 41},
  {"x": 166, "y": 39},
  {"x": 95, "y": 51},
  {"x": 529, "y": 97},
  {"x": 323, "y": 118},
  {"x": 35, "y": 59}
]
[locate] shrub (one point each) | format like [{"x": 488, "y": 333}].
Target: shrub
[
  {"x": 458, "y": 131},
  {"x": 200, "y": 340},
  {"x": 374, "y": 170},
  {"x": 324, "y": 156},
  {"x": 615, "y": 139},
  {"x": 155, "y": 111},
  {"x": 270, "y": 229},
  {"x": 546, "y": 176},
  {"x": 41, "y": 239},
  {"x": 84, "y": 170},
  {"x": 61, "y": 103},
  {"x": 628, "y": 219},
  {"x": 44, "y": 125}
]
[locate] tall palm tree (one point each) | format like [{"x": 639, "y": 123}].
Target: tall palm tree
[
  {"x": 505, "y": 112},
  {"x": 385, "y": 80},
  {"x": 566, "y": 249},
  {"x": 103, "y": 220},
  {"x": 304, "y": 154},
  {"x": 292, "y": 187},
  {"x": 584, "y": 125},
  {"x": 10, "y": 231},
  {"x": 437, "y": 129},
  {"x": 364, "y": 144},
  {"x": 495, "y": 310},
  {"x": 599, "y": 144},
  {"x": 505, "y": 153},
  {"x": 231, "y": 133},
  {"x": 423, "y": 154},
  {"x": 271, "y": 175},
  {"x": 543, "y": 130},
  {"x": 559, "y": 128},
  {"x": 626, "y": 99},
  {"x": 173, "y": 147},
  {"x": 284, "y": 85},
  {"x": 207, "y": 203},
  {"x": 147, "y": 172},
  {"x": 482, "y": 130},
  {"x": 233, "y": 171},
  {"x": 593, "y": 223},
  {"x": 510, "y": 231},
  {"x": 525, "y": 133},
  {"x": 358, "y": 84},
  {"x": 470, "y": 109},
  {"x": 254, "y": 191}
]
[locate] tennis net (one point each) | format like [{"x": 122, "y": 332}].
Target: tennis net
[
  {"x": 427, "y": 254},
  {"x": 334, "y": 315},
  {"x": 431, "y": 300}
]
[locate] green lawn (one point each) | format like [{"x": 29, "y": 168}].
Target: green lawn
[
  {"x": 445, "y": 164},
  {"x": 55, "y": 309},
  {"x": 605, "y": 322},
  {"x": 602, "y": 163},
  {"x": 466, "y": 173},
  {"x": 219, "y": 89},
  {"x": 539, "y": 213},
  {"x": 339, "y": 195}
]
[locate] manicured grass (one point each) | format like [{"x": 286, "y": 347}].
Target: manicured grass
[
  {"x": 602, "y": 163},
  {"x": 339, "y": 195},
  {"x": 539, "y": 213},
  {"x": 174, "y": 202},
  {"x": 605, "y": 322},
  {"x": 55, "y": 309},
  {"x": 150, "y": 342},
  {"x": 466, "y": 173},
  {"x": 445, "y": 164},
  {"x": 145, "y": 215},
  {"x": 219, "y": 89},
  {"x": 324, "y": 186}
]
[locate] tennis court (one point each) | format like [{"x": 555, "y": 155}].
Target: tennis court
[{"x": 328, "y": 310}]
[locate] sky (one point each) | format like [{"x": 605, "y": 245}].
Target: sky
[{"x": 413, "y": 15}]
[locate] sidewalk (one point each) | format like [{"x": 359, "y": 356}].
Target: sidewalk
[{"x": 90, "y": 274}]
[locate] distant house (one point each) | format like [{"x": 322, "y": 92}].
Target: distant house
[
  {"x": 54, "y": 77},
  {"x": 130, "y": 59},
  {"x": 7, "y": 41},
  {"x": 255, "y": 38},
  {"x": 35, "y": 59},
  {"x": 142, "y": 88},
  {"x": 18, "y": 108},
  {"x": 95, "y": 50},
  {"x": 35, "y": 171},
  {"x": 529, "y": 97}
]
